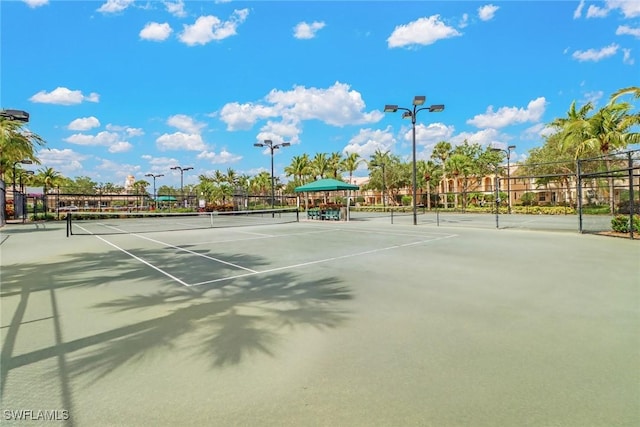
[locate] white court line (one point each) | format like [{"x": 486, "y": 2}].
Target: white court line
[
  {"x": 274, "y": 236},
  {"x": 172, "y": 277},
  {"x": 320, "y": 261},
  {"x": 194, "y": 253}
]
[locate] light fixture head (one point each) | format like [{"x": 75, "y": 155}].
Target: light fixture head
[
  {"x": 268, "y": 141},
  {"x": 175, "y": 168},
  {"x": 26, "y": 161},
  {"x": 29, "y": 172},
  {"x": 512, "y": 147},
  {"x": 285, "y": 144},
  {"x": 187, "y": 168},
  {"x": 419, "y": 100},
  {"x": 390, "y": 108},
  {"x": 436, "y": 108},
  {"x": 258, "y": 144},
  {"x": 495, "y": 150},
  {"x": 407, "y": 115}
]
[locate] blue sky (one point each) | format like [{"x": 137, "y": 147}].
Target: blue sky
[{"x": 123, "y": 87}]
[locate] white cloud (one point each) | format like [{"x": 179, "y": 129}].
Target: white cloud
[
  {"x": 424, "y": 31},
  {"x": 84, "y": 123},
  {"x": 368, "y": 141},
  {"x": 180, "y": 141},
  {"x": 595, "y": 54},
  {"x": 244, "y": 116},
  {"x": 128, "y": 130},
  {"x": 626, "y": 30},
  {"x": 593, "y": 97},
  {"x": 114, "y": 6},
  {"x": 66, "y": 161},
  {"x": 430, "y": 134},
  {"x": 36, "y": 3},
  {"x": 627, "y": 59},
  {"x": 209, "y": 28},
  {"x": 287, "y": 130},
  {"x": 156, "y": 31},
  {"x": 629, "y": 8},
  {"x": 102, "y": 138},
  {"x": 578, "y": 12},
  {"x": 176, "y": 8},
  {"x": 112, "y": 140},
  {"x": 120, "y": 147},
  {"x": 336, "y": 105},
  {"x": 63, "y": 96},
  {"x": 484, "y": 137},
  {"x": 307, "y": 31},
  {"x": 464, "y": 21},
  {"x": 220, "y": 158},
  {"x": 185, "y": 124},
  {"x": 597, "y": 12},
  {"x": 506, "y": 116},
  {"x": 487, "y": 12}
]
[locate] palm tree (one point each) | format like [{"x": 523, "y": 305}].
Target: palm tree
[
  {"x": 428, "y": 174},
  {"x": 320, "y": 165},
  {"x": 335, "y": 164},
  {"x": 382, "y": 160},
  {"x": 49, "y": 178},
  {"x": 607, "y": 130},
  {"x": 441, "y": 152},
  {"x": 300, "y": 168},
  {"x": 351, "y": 163},
  {"x": 15, "y": 144}
]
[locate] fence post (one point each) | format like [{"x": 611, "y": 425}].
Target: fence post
[
  {"x": 579, "y": 195},
  {"x": 631, "y": 196}
]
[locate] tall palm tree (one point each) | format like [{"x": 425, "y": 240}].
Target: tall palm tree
[
  {"x": 350, "y": 163},
  {"x": 48, "y": 178},
  {"x": 16, "y": 143},
  {"x": 607, "y": 130},
  {"x": 335, "y": 164},
  {"x": 320, "y": 165},
  {"x": 428, "y": 177},
  {"x": 441, "y": 153},
  {"x": 300, "y": 168}
]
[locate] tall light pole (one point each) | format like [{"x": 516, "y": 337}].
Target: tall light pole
[
  {"x": 155, "y": 196},
  {"x": 182, "y": 171},
  {"x": 272, "y": 147},
  {"x": 418, "y": 100},
  {"x": 508, "y": 153}
]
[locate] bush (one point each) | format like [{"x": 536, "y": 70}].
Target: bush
[
  {"x": 406, "y": 200},
  {"x": 620, "y": 223},
  {"x": 625, "y": 207}
]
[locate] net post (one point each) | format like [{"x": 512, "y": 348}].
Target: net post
[
  {"x": 68, "y": 221},
  {"x": 298, "y": 213}
]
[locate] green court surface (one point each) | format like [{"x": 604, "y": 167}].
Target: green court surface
[{"x": 318, "y": 323}]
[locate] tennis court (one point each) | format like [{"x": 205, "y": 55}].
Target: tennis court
[{"x": 319, "y": 323}]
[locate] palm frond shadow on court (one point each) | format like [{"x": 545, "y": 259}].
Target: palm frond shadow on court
[
  {"x": 224, "y": 325},
  {"x": 225, "y": 322}
]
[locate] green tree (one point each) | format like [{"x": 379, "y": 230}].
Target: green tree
[
  {"x": 16, "y": 143},
  {"x": 350, "y": 163},
  {"x": 609, "y": 129}
]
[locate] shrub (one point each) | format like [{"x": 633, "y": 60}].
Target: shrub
[
  {"x": 624, "y": 207},
  {"x": 620, "y": 223}
]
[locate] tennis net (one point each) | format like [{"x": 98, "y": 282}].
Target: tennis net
[{"x": 83, "y": 223}]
